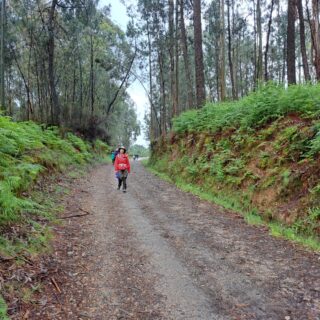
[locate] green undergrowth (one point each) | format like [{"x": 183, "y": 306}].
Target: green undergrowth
[
  {"x": 27, "y": 152},
  {"x": 235, "y": 204},
  {"x": 265, "y": 105},
  {"x": 3, "y": 310},
  {"x": 263, "y": 151},
  {"x": 34, "y": 161}
]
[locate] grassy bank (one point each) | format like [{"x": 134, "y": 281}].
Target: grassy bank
[
  {"x": 31, "y": 157},
  {"x": 258, "y": 155},
  {"x": 249, "y": 213}
]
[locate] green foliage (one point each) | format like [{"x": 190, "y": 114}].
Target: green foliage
[
  {"x": 262, "y": 150},
  {"x": 140, "y": 150},
  {"x": 315, "y": 145},
  {"x": 257, "y": 109},
  {"x": 3, "y": 310},
  {"x": 236, "y": 203},
  {"x": 28, "y": 151},
  {"x": 309, "y": 224},
  {"x": 101, "y": 148}
]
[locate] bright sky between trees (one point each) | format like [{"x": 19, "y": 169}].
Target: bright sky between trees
[{"x": 119, "y": 16}]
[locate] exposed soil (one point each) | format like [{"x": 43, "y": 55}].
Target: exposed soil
[{"x": 159, "y": 253}]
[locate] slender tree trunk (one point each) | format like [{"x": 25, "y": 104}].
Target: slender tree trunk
[
  {"x": 316, "y": 37},
  {"x": 154, "y": 131},
  {"x": 199, "y": 68},
  {"x": 184, "y": 46},
  {"x": 222, "y": 72},
  {"x": 40, "y": 107},
  {"x": 3, "y": 26},
  {"x": 81, "y": 92},
  {"x": 266, "y": 75},
  {"x": 55, "y": 106},
  {"x": 172, "y": 62},
  {"x": 291, "y": 47},
  {"x": 235, "y": 55},
  {"x": 255, "y": 45},
  {"x": 259, "y": 75},
  {"x": 177, "y": 56},
  {"x": 234, "y": 95},
  {"x": 306, "y": 72},
  {"x": 163, "y": 112},
  {"x": 91, "y": 78}
]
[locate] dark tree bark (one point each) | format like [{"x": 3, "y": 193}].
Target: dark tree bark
[
  {"x": 91, "y": 77},
  {"x": 266, "y": 75},
  {"x": 163, "y": 110},
  {"x": 177, "y": 56},
  {"x": 316, "y": 37},
  {"x": 221, "y": 65},
  {"x": 234, "y": 93},
  {"x": 199, "y": 68},
  {"x": 172, "y": 59},
  {"x": 303, "y": 42},
  {"x": 259, "y": 74},
  {"x": 291, "y": 47},
  {"x": 184, "y": 46},
  {"x": 55, "y": 106}
]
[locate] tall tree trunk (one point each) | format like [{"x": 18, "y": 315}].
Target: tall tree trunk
[
  {"x": 91, "y": 78},
  {"x": 176, "y": 41},
  {"x": 266, "y": 75},
  {"x": 154, "y": 128},
  {"x": 316, "y": 37},
  {"x": 255, "y": 45},
  {"x": 163, "y": 110},
  {"x": 306, "y": 72},
  {"x": 184, "y": 46},
  {"x": 222, "y": 72},
  {"x": 234, "y": 95},
  {"x": 3, "y": 26},
  {"x": 291, "y": 47},
  {"x": 55, "y": 106},
  {"x": 259, "y": 73},
  {"x": 81, "y": 92},
  {"x": 172, "y": 62},
  {"x": 199, "y": 68}
]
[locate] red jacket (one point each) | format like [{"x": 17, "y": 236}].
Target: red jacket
[{"x": 122, "y": 162}]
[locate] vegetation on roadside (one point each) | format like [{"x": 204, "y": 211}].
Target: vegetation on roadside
[
  {"x": 3, "y": 310},
  {"x": 249, "y": 213},
  {"x": 139, "y": 150},
  {"x": 30, "y": 157},
  {"x": 27, "y": 152},
  {"x": 259, "y": 154}
]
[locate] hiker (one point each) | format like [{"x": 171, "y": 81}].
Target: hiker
[
  {"x": 114, "y": 154},
  {"x": 122, "y": 168}
]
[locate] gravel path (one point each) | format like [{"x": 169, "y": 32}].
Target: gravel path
[{"x": 159, "y": 253}]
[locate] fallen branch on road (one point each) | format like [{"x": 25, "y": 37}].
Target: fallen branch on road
[{"x": 77, "y": 215}]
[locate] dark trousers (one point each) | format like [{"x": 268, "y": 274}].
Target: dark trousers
[{"x": 123, "y": 179}]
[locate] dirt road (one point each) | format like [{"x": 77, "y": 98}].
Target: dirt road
[{"x": 159, "y": 253}]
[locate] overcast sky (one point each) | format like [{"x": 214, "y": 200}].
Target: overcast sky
[{"x": 119, "y": 16}]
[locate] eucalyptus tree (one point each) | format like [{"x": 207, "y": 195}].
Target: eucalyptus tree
[{"x": 68, "y": 64}]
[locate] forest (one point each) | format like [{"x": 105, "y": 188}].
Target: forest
[
  {"x": 221, "y": 215},
  {"x": 210, "y": 51},
  {"x": 59, "y": 59},
  {"x": 65, "y": 63}
]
